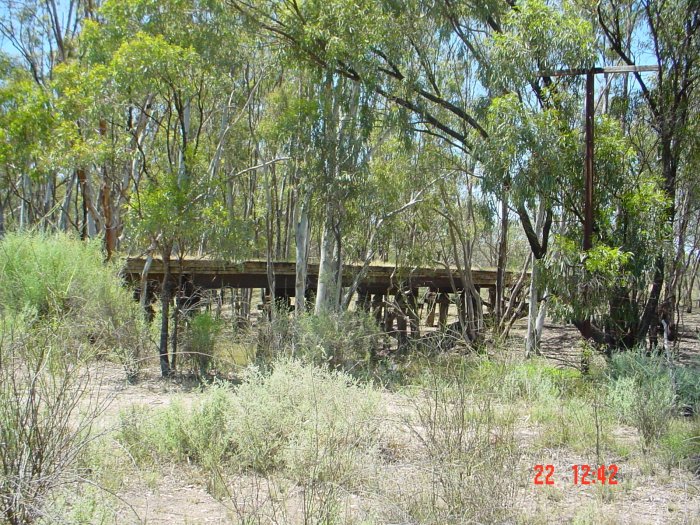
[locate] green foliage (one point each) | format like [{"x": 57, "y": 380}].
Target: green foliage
[
  {"x": 535, "y": 151},
  {"x": 680, "y": 446},
  {"x": 200, "y": 337},
  {"x": 577, "y": 423},
  {"x": 603, "y": 283},
  {"x": 311, "y": 422},
  {"x": 642, "y": 393},
  {"x": 45, "y": 425},
  {"x": 687, "y": 383},
  {"x": 345, "y": 341},
  {"x": 538, "y": 37},
  {"x": 200, "y": 433},
  {"x": 336, "y": 31},
  {"x": 314, "y": 425},
  {"x": 341, "y": 340},
  {"x": 468, "y": 445},
  {"x": 27, "y": 121},
  {"x": 54, "y": 280},
  {"x": 607, "y": 261},
  {"x": 534, "y": 381}
]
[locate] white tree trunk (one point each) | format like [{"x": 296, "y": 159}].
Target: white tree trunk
[
  {"x": 24, "y": 210},
  {"x": 301, "y": 233},
  {"x": 326, "y": 273},
  {"x": 182, "y": 175},
  {"x": 541, "y": 315},
  {"x": 532, "y": 339}
]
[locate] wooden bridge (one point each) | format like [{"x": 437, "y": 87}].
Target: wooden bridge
[
  {"x": 442, "y": 286},
  {"x": 379, "y": 278}
]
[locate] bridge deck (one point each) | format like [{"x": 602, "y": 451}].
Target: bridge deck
[{"x": 209, "y": 273}]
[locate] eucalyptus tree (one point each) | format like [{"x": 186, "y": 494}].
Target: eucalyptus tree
[
  {"x": 409, "y": 54},
  {"x": 533, "y": 146},
  {"x": 39, "y": 36},
  {"x": 43, "y": 33},
  {"x": 26, "y": 124},
  {"x": 441, "y": 64},
  {"x": 167, "y": 75},
  {"x": 666, "y": 33},
  {"x": 293, "y": 123}
]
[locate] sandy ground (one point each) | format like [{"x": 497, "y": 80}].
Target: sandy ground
[{"x": 178, "y": 494}]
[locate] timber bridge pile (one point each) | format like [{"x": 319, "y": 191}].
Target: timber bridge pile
[{"x": 392, "y": 294}]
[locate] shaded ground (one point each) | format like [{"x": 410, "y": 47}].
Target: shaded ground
[{"x": 562, "y": 343}]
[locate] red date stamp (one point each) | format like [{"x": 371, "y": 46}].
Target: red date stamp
[{"x": 583, "y": 474}]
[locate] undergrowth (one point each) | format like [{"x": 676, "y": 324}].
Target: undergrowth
[{"x": 52, "y": 280}]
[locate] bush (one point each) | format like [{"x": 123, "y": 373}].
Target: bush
[
  {"x": 200, "y": 338},
  {"x": 687, "y": 381},
  {"x": 304, "y": 421},
  {"x": 308, "y": 421},
  {"x": 576, "y": 423},
  {"x": 44, "y": 427},
  {"x": 636, "y": 363},
  {"x": 50, "y": 278},
  {"x": 531, "y": 381},
  {"x": 680, "y": 447},
  {"x": 641, "y": 393},
  {"x": 299, "y": 424},
  {"x": 470, "y": 456},
  {"x": 344, "y": 341},
  {"x": 200, "y": 433}
]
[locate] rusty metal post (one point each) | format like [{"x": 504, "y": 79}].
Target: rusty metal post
[{"x": 589, "y": 166}]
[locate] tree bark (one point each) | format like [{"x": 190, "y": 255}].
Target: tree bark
[
  {"x": 692, "y": 275},
  {"x": 326, "y": 273},
  {"x": 531, "y": 341},
  {"x": 64, "y": 221},
  {"x": 176, "y": 324},
  {"x": 301, "y": 233},
  {"x": 165, "y": 296},
  {"x": 502, "y": 260}
]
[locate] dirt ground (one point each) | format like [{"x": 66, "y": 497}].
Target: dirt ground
[{"x": 178, "y": 494}]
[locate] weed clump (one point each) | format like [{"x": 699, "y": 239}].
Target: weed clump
[
  {"x": 298, "y": 424},
  {"x": 468, "y": 455},
  {"x": 641, "y": 393},
  {"x": 58, "y": 279},
  {"x": 200, "y": 340},
  {"x": 346, "y": 341},
  {"x": 44, "y": 427}
]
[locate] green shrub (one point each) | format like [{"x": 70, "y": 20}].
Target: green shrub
[
  {"x": 314, "y": 425},
  {"x": 296, "y": 424},
  {"x": 312, "y": 422},
  {"x": 200, "y": 339},
  {"x": 641, "y": 393},
  {"x": 680, "y": 447},
  {"x": 82, "y": 503},
  {"x": 636, "y": 363},
  {"x": 687, "y": 382},
  {"x": 621, "y": 398},
  {"x": 577, "y": 423},
  {"x": 344, "y": 341},
  {"x": 51, "y": 279},
  {"x": 200, "y": 433},
  {"x": 534, "y": 380},
  {"x": 469, "y": 456},
  {"x": 531, "y": 381},
  {"x": 44, "y": 424}
]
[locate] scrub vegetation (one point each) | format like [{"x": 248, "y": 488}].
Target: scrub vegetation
[{"x": 541, "y": 155}]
